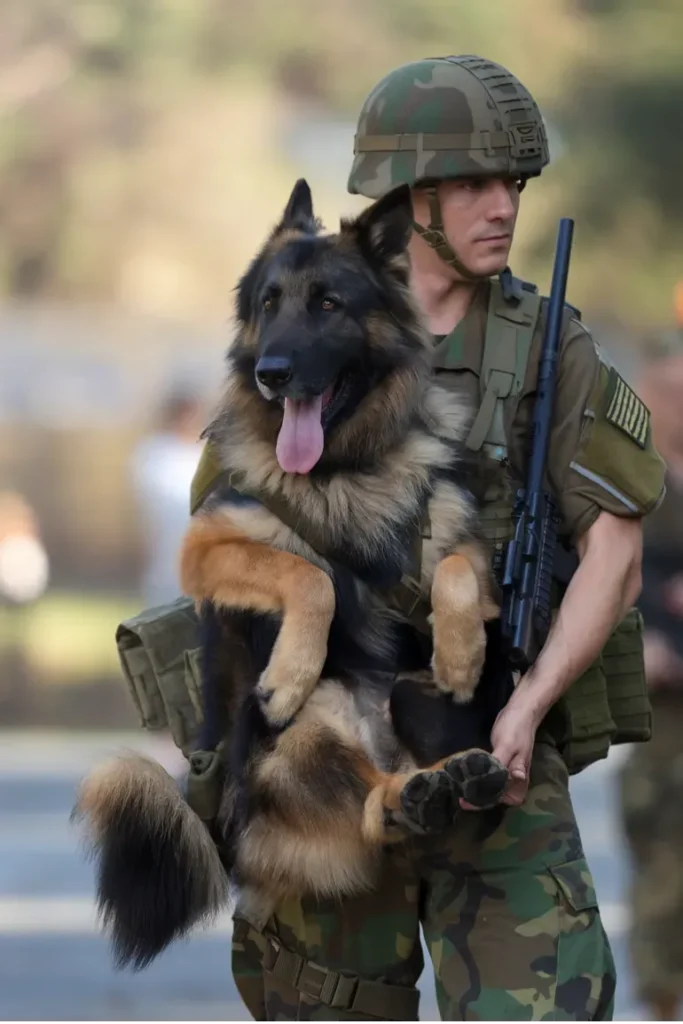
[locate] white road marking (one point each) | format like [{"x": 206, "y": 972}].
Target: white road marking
[
  {"x": 71, "y": 915},
  {"x": 77, "y": 915}
]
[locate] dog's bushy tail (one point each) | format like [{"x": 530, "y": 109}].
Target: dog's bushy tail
[{"x": 158, "y": 870}]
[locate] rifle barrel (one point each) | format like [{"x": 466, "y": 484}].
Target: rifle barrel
[{"x": 530, "y": 555}]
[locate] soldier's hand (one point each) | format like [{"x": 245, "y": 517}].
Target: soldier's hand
[{"x": 512, "y": 738}]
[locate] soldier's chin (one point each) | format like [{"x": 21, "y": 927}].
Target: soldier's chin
[{"x": 489, "y": 264}]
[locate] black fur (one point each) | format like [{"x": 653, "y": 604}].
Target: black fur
[
  {"x": 432, "y": 726},
  {"x": 140, "y": 851}
]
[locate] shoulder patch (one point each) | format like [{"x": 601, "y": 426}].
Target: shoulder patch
[{"x": 625, "y": 410}]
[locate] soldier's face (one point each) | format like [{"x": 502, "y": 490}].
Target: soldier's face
[{"x": 479, "y": 218}]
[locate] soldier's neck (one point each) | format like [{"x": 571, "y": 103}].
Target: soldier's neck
[{"x": 443, "y": 299}]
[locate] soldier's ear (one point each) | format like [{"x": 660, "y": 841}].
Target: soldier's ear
[{"x": 383, "y": 231}]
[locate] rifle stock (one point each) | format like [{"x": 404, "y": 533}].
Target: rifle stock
[{"x": 528, "y": 566}]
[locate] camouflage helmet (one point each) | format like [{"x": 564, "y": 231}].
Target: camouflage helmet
[{"x": 441, "y": 119}]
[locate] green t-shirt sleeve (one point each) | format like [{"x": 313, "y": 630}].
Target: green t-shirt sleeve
[{"x": 601, "y": 453}]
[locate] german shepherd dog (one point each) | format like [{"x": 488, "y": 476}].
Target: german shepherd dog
[{"x": 344, "y": 722}]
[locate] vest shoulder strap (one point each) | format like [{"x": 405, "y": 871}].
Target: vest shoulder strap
[
  {"x": 514, "y": 309},
  {"x": 207, "y": 477}
]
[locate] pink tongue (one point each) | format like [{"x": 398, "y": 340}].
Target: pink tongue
[{"x": 300, "y": 441}]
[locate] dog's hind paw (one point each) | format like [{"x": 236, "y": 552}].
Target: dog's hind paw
[
  {"x": 479, "y": 778},
  {"x": 430, "y": 800}
]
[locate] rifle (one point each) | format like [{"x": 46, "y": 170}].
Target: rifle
[{"x": 530, "y": 556}]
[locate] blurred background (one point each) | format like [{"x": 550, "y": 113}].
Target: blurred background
[{"x": 146, "y": 146}]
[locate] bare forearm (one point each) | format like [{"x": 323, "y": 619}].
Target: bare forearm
[{"x": 604, "y": 587}]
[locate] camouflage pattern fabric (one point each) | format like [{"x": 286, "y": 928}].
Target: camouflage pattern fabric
[
  {"x": 508, "y": 910},
  {"x": 651, "y": 785},
  {"x": 445, "y": 118}
]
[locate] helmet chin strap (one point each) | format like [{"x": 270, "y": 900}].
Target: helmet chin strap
[{"x": 435, "y": 237}]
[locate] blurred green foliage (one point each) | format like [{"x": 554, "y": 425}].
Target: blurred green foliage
[{"x": 140, "y": 158}]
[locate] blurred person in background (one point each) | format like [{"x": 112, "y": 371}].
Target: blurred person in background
[
  {"x": 162, "y": 466},
  {"x": 652, "y": 777},
  {"x": 24, "y": 576}
]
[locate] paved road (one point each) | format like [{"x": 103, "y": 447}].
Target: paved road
[{"x": 55, "y": 966}]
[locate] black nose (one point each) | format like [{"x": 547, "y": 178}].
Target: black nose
[{"x": 273, "y": 371}]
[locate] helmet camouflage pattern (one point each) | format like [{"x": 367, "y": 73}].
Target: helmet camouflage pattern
[{"x": 445, "y": 118}]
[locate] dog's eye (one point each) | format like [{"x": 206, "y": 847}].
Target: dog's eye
[
  {"x": 267, "y": 304},
  {"x": 328, "y": 304}
]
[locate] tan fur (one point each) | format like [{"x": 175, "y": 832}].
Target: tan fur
[
  {"x": 458, "y": 627},
  {"x": 220, "y": 564},
  {"x": 297, "y": 844},
  {"x": 353, "y": 503}
]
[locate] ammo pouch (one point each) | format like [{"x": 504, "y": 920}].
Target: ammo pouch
[
  {"x": 159, "y": 651},
  {"x": 609, "y": 704}
]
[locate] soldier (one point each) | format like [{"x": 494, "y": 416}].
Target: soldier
[
  {"x": 652, "y": 777},
  {"x": 506, "y": 900}
]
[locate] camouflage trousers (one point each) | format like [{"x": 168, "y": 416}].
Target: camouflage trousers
[
  {"x": 508, "y": 912},
  {"x": 652, "y": 814}
]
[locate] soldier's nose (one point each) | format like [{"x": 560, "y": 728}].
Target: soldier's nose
[{"x": 274, "y": 371}]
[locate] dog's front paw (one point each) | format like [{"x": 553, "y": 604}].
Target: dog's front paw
[
  {"x": 281, "y": 696},
  {"x": 458, "y": 659}
]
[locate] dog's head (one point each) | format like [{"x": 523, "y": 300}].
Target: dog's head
[{"x": 326, "y": 319}]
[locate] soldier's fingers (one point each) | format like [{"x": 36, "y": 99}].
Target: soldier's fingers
[
  {"x": 515, "y": 793},
  {"x": 517, "y": 769}
]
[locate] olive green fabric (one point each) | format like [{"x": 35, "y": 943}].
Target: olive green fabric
[
  {"x": 205, "y": 478},
  {"x": 510, "y": 329},
  {"x": 627, "y": 694},
  {"x": 204, "y": 784},
  {"x": 158, "y": 652},
  {"x": 509, "y": 913},
  {"x": 617, "y": 454},
  {"x": 631, "y": 485},
  {"x": 444, "y": 118}
]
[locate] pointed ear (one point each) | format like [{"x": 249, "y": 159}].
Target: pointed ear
[
  {"x": 298, "y": 215},
  {"x": 384, "y": 229}
]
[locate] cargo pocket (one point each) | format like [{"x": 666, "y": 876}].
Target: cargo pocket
[
  {"x": 586, "y": 977},
  {"x": 581, "y": 721},
  {"x": 158, "y": 652},
  {"x": 627, "y": 690}
]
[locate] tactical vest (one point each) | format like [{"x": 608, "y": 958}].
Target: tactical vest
[{"x": 609, "y": 703}]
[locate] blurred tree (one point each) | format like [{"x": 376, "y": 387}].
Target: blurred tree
[
  {"x": 620, "y": 115},
  {"x": 127, "y": 126}
]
